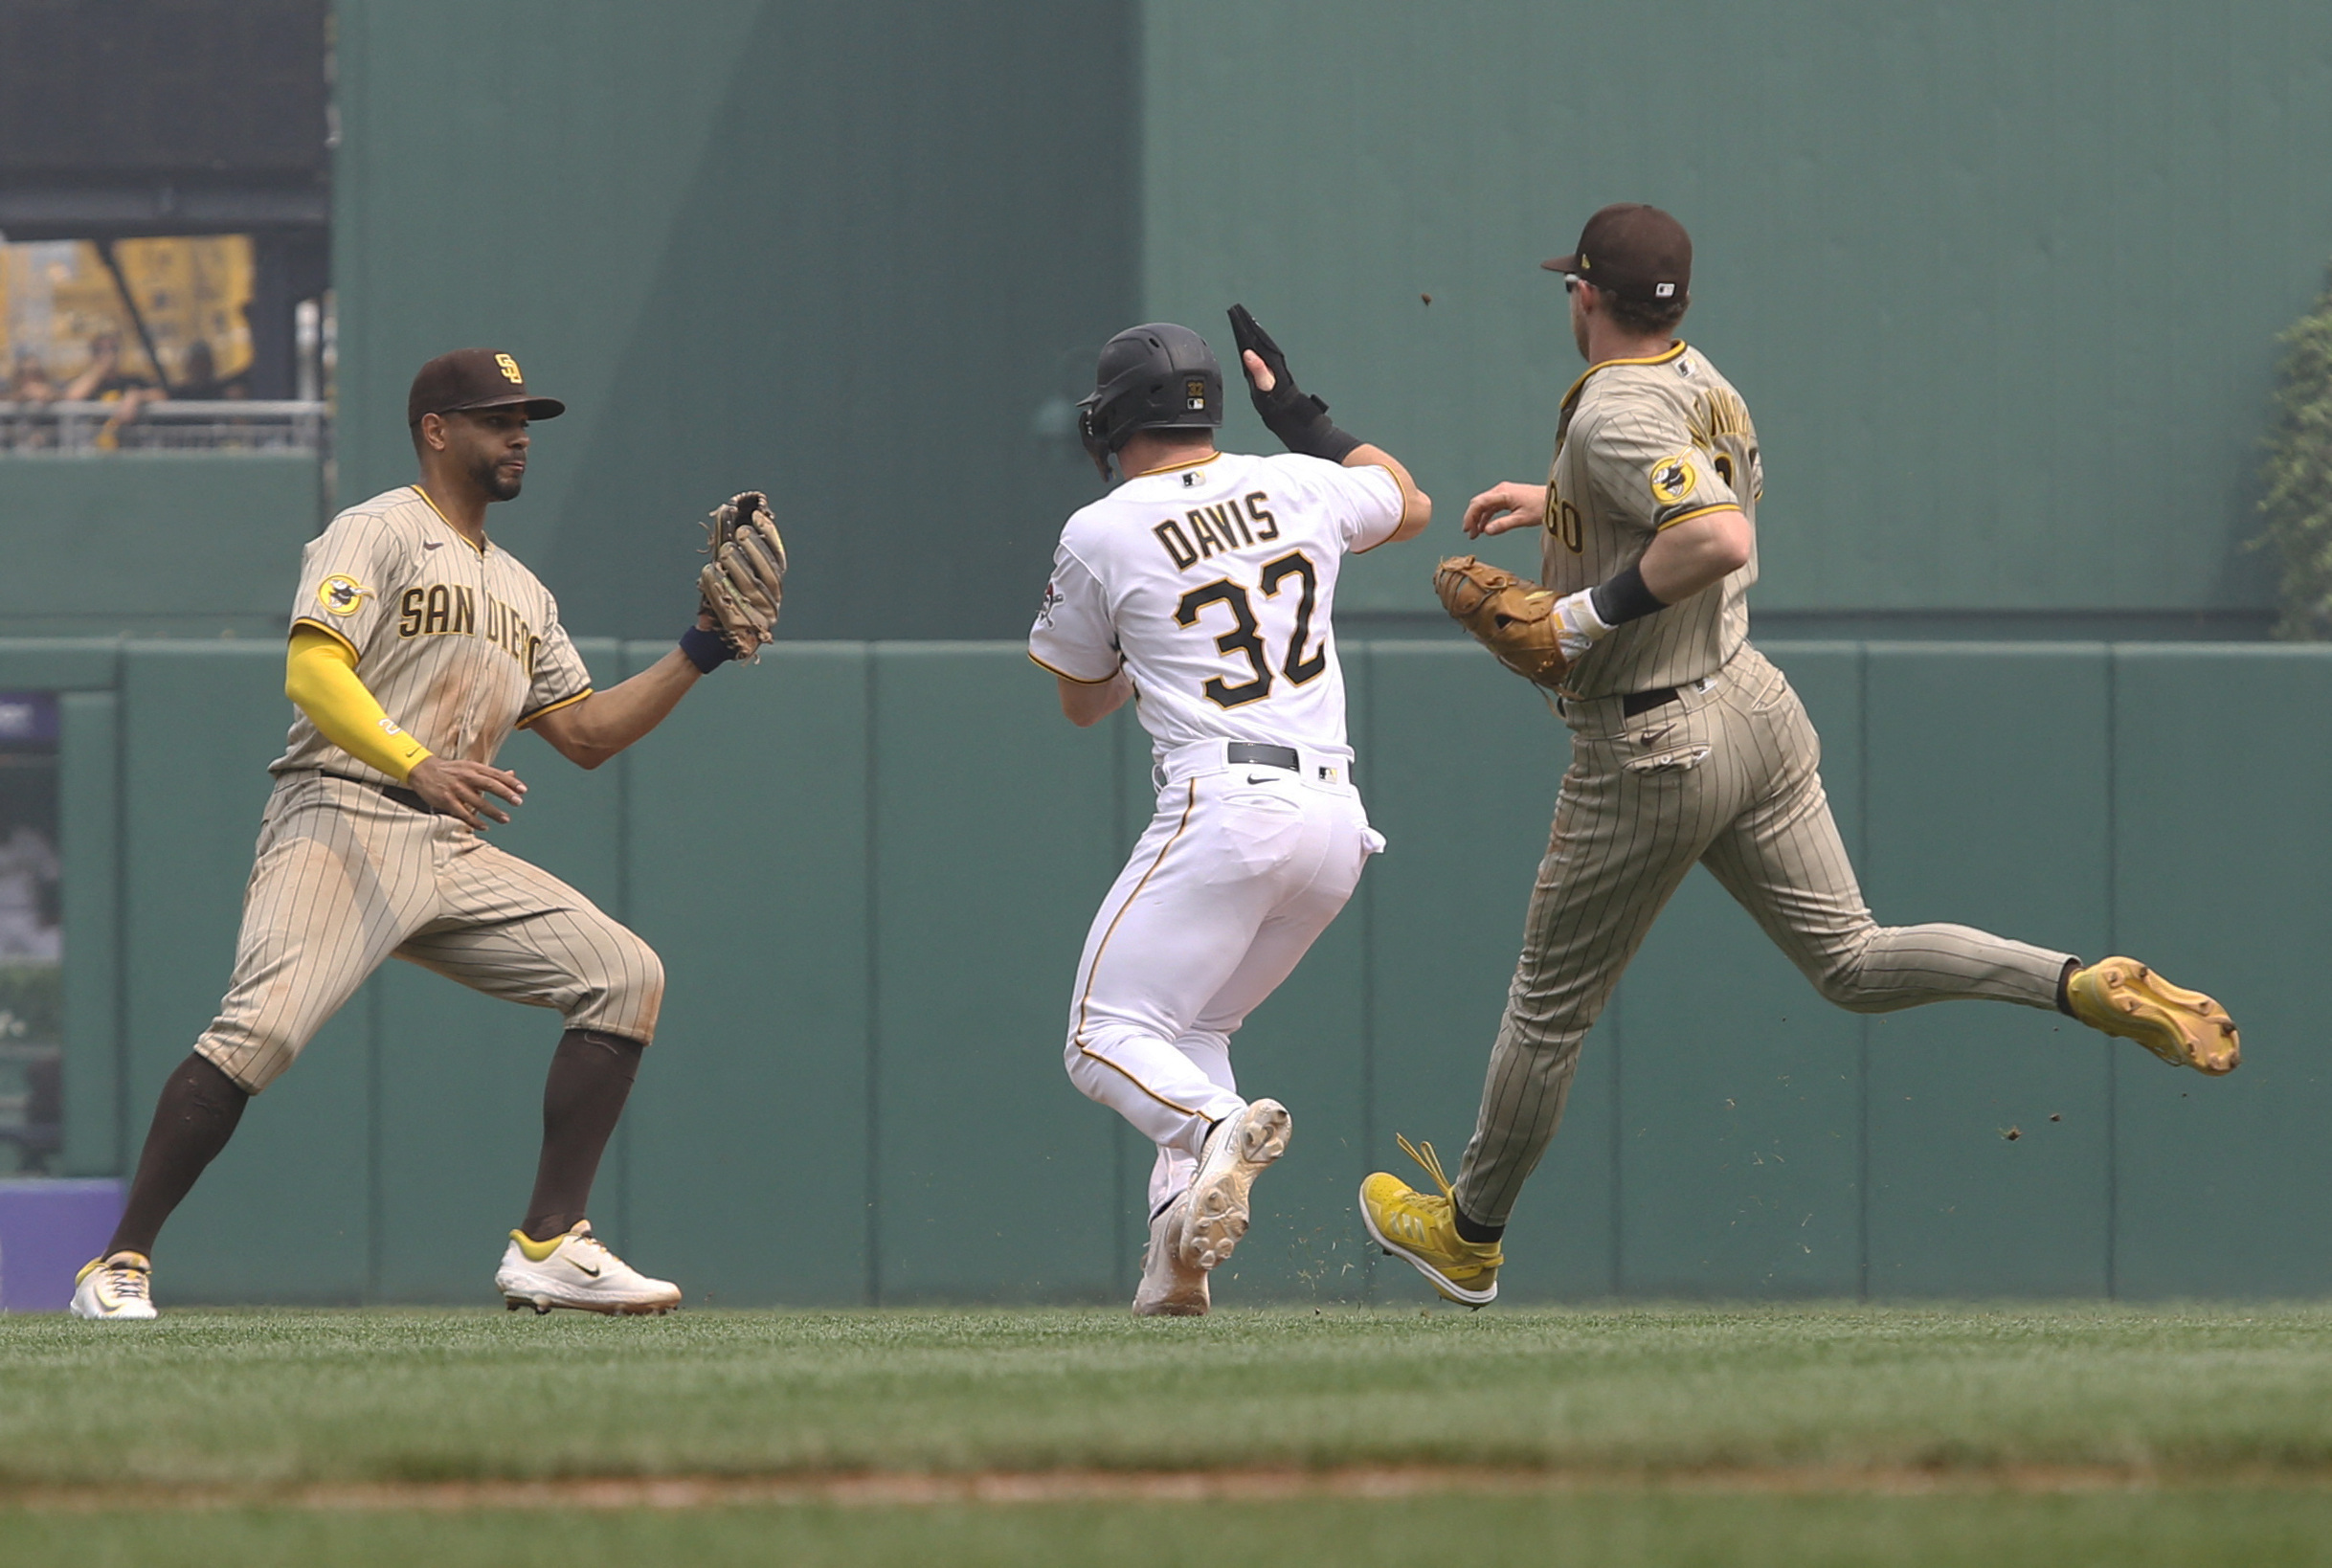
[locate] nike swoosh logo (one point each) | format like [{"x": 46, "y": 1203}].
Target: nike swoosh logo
[
  {"x": 1266, "y": 779},
  {"x": 433, "y": 544},
  {"x": 581, "y": 1268}
]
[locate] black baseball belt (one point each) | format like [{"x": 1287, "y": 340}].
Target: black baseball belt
[
  {"x": 408, "y": 798},
  {"x": 1631, "y": 704},
  {"x": 1263, "y": 756}
]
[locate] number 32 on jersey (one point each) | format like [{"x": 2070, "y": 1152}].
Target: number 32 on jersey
[{"x": 1245, "y": 638}]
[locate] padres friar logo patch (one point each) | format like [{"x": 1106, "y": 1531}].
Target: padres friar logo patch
[
  {"x": 342, "y": 596},
  {"x": 1672, "y": 479}
]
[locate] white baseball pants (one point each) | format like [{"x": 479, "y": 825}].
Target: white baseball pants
[{"x": 1244, "y": 865}]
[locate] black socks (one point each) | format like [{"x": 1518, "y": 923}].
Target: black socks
[
  {"x": 192, "y": 1121},
  {"x": 591, "y": 1077},
  {"x": 1468, "y": 1231}
]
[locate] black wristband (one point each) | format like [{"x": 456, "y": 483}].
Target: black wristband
[
  {"x": 1297, "y": 419},
  {"x": 707, "y": 650},
  {"x": 1623, "y": 597},
  {"x": 1301, "y": 422}
]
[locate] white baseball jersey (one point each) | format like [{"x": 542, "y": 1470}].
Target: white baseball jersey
[
  {"x": 459, "y": 645},
  {"x": 1214, "y": 583}
]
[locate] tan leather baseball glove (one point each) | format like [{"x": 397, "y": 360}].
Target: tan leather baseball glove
[
  {"x": 744, "y": 583},
  {"x": 1515, "y": 620}
]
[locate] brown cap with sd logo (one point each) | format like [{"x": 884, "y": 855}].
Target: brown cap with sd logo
[
  {"x": 474, "y": 378},
  {"x": 1634, "y": 251}
]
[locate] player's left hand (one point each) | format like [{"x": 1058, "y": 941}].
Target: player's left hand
[
  {"x": 466, "y": 790},
  {"x": 743, "y": 585}
]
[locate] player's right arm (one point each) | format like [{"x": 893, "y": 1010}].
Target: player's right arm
[
  {"x": 1086, "y": 704},
  {"x": 319, "y": 675},
  {"x": 349, "y": 576},
  {"x": 1074, "y": 638}
]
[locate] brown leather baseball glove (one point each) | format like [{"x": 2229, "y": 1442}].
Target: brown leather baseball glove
[
  {"x": 744, "y": 583},
  {"x": 1515, "y": 620}
]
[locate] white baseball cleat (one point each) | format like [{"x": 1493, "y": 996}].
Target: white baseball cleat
[
  {"x": 119, "y": 1288},
  {"x": 577, "y": 1270},
  {"x": 1169, "y": 1287},
  {"x": 1237, "y": 1151}
]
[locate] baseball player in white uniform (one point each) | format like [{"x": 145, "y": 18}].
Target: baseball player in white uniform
[
  {"x": 416, "y": 646},
  {"x": 1203, "y": 588}
]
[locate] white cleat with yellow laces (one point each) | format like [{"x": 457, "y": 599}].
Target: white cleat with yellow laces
[{"x": 577, "y": 1269}]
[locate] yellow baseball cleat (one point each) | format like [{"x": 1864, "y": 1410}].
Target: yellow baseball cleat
[
  {"x": 1422, "y": 1229},
  {"x": 2185, "y": 1028}
]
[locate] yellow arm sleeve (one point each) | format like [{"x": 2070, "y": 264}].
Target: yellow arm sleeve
[{"x": 320, "y": 675}]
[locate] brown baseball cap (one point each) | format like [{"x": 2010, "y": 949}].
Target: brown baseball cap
[
  {"x": 1635, "y": 251},
  {"x": 474, "y": 378}
]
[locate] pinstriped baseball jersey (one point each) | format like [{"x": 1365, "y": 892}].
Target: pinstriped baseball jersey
[
  {"x": 1641, "y": 445},
  {"x": 460, "y": 645}
]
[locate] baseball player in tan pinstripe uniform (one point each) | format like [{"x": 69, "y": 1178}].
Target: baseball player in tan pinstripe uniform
[
  {"x": 1688, "y": 747},
  {"x": 371, "y": 845}
]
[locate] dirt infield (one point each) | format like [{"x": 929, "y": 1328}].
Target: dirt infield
[{"x": 909, "y": 1489}]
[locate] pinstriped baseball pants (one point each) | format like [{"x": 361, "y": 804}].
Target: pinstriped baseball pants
[
  {"x": 346, "y": 877},
  {"x": 1727, "y": 777}
]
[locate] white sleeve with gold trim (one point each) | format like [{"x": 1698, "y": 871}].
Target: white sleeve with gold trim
[
  {"x": 1365, "y": 502},
  {"x": 1071, "y": 635},
  {"x": 350, "y": 574}
]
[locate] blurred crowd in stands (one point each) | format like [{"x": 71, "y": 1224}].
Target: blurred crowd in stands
[
  {"x": 29, "y": 399},
  {"x": 104, "y": 379}
]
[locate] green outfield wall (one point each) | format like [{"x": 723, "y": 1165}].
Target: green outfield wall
[
  {"x": 868, "y": 868},
  {"x": 2000, "y": 282},
  {"x": 855, "y": 255},
  {"x": 160, "y": 544}
]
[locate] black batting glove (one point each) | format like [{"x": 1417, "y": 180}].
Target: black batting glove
[{"x": 1299, "y": 419}]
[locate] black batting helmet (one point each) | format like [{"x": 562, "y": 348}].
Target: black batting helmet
[{"x": 1156, "y": 376}]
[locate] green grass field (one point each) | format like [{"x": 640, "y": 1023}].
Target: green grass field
[{"x": 1686, "y": 1435}]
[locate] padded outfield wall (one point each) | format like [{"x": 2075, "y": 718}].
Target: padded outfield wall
[
  {"x": 854, "y": 255},
  {"x": 857, "y": 1095},
  {"x": 2000, "y": 282}
]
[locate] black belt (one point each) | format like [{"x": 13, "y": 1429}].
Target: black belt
[
  {"x": 1643, "y": 702},
  {"x": 403, "y": 797},
  {"x": 1268, "y": 757}
]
